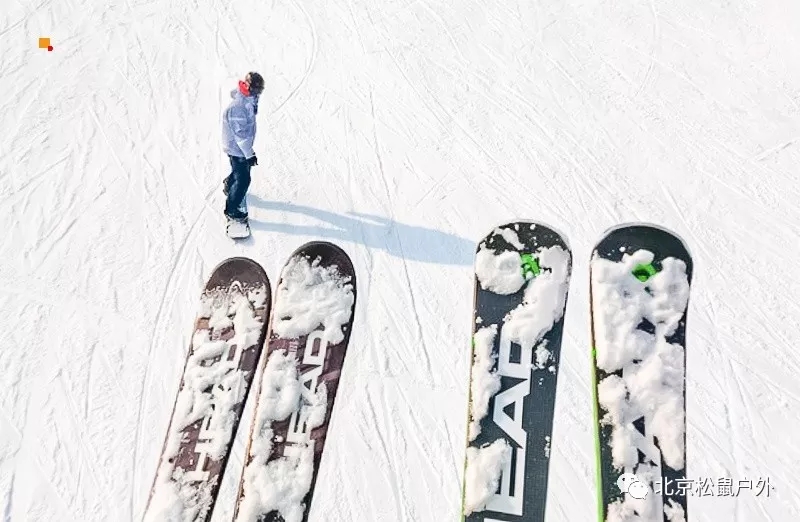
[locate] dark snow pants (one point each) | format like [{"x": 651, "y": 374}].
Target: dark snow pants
[{"x": 237, "y": 184}]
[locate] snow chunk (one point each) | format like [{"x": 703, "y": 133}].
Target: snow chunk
[
  {"x": 310, "y": 295},
  {"x": 674, "y": 511},
  {"x": 484, "y": 466},
  {"x": 624, "y": 301},
  {"x": 499, "y": 273},
  {"x": 542, "y": 356},
  {"x": 219, "y": 319},
  {"x": 484, "y": 382},
  {"x": 280, "y": 388},
  {"x": 258, "y": 296},
  {"x": 278, "y": 486},
  {"x": 648, "y": 508},
  {"x": 510, "y": 236},
  {"x": 634, "y": 510},
  {"x": 179, "y": 500},
  {"x": 543, "y": 303},
  {"x": 281, "y": 483}
]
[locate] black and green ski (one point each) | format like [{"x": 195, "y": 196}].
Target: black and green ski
[
  {"x": 522, "y": 274},
  {"x": 640, "y": 282}
]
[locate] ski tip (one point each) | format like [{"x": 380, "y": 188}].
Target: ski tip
[
  {"x": 538, "y": 226},
  {"x": 645, "y": 227},
  {"x": 647, "y": 235},
  {"x": 329, "y": 252},
  {"x": 241, "y": 260},
  {"x": 248, "y": 271},
  {"x": 319, "y": 245}
]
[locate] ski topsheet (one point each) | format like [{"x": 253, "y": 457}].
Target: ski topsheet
[
  {"x": 522, "y": 274},
  {"x": 640, "y": 283},
  {"x": 309, "y": 334},
  {"x": 226, "y": 344}
]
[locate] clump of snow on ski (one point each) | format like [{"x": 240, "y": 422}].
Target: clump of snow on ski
[
  {"x": 652, "y": 380},
  {"x": 647, "y": 509},
  {"x": 258, "y": 296},
  {"x": 308, "y": 296},
  {"x": 179, "y": 498},
  {"x": 485, "y": 382},
  {"x": 484, "y": 466},
  {"x": 212, "y": 387},
  {"x": 543, "y": 303},
  {"x": 510, "y": 236},
  {"x": 280, "y": 484},
  {"x": 542, "y": 306},
  {"x": 674, "y": 512},
  {"x": 499, "y": 273}
]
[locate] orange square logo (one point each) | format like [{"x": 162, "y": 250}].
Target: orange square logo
[{"x": 44, "y": 43}]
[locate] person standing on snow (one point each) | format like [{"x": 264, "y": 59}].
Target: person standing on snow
[{"x": 238, "y": 133}]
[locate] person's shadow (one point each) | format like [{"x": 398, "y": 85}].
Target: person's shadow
[{"x": 406, "y": 241}]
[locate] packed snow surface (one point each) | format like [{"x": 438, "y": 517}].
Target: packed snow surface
[{"x": 401, "y": 131}]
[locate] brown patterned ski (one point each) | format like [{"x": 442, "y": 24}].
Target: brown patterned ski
[
  {"x": 309, "y": 333},
  {"x": 227, "y": 341}
]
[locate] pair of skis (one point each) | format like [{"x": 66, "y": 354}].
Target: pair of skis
[
  {"x": 310, "y": 322},
  {"x": 640, "y": 278}
]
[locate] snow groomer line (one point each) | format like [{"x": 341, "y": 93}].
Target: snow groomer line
[{"x": 640, "y": 278}]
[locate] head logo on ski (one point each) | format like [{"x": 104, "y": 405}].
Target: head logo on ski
[{"x": 522, "y": 273}]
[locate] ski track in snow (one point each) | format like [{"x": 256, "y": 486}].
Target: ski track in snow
[{"x": 401, "y": 131}]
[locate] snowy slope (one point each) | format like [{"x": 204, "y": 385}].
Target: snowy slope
[{"x": 403, "y": 131}]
